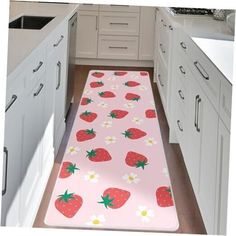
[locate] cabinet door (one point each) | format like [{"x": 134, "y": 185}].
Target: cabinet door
[
  {"x": 192, "y": 160},
  {"x": 12, "y": 162},
  {"x": 87, "y": 34},
  {"x": 147, "y": 30},
  {"x": 223, "y": 161},
  {"x": 208, "y": 171},
  {"x": 32, "y": 144},
  {"x": 60, "y": 96}
]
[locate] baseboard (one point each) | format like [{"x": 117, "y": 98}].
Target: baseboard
[{"x": 106, "y": 62}]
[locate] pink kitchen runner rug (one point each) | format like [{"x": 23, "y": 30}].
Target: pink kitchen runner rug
[{"x": 114, "y": 173}]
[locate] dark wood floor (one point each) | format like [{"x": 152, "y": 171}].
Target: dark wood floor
[{"x": 188, "y": 213}]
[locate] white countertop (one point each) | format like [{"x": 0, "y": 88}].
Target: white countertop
[
  {"x": 220, "y": 52},
  {"x": 22, "y": 42}
]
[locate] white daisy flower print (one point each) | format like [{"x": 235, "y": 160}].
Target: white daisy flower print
[
  {"x": 110, "y": 139},
  {"x": 150, "y": 142},
  {"x": 137, "y": 120},
  {"x": 144, "y": 213},
  {"x": 96, "y": 220},
  {"x": 165, "y": 172},
  {"x": 129, "y": 105},
  {"x": 142, "y": 88},
  {"x": 107, "y": 124},
  {"x": 102, "y": 105},
  {"x": 88, "y": 92},
  {"x": 114, "y": 87},
  {"x": 131, "y": 178},
  {"x": 72, "y": 150},
  {"x": 91, "y": 177}
]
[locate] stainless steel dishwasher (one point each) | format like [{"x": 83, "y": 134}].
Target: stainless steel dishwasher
[{"x": 71, "y": 61}]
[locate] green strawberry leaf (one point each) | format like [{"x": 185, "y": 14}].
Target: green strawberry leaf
[{"x": 107, "y": 201}]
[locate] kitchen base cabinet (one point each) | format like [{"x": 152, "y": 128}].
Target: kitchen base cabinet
[
  {"x": 12, "y": 161},
  {"x": 87, "y": 34}
]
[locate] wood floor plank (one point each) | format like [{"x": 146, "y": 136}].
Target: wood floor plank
[{"x": 188, "y": 212}]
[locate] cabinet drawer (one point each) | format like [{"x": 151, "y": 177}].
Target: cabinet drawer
[
  {"x": 225, "y": 102},
  {"x": 119, "y": 8},
  {"x": 180, "y": 128},
  {"x": 162, "y": 81},
  {"x": 116, "y": 23},
  {"x": 88, "y": 7},
  {"x": 36, "y": 67},
  {"x": 206, "y": 74},
  {"x": 57, "y": 40},
  {"x": 118, "y": 47}
]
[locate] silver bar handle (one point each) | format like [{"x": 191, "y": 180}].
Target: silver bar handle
[
  {"x": 113, "y": 23},
  {"x": 162, "y": 49},
  {"x": 170, "y": 27},
  {"x": 38, "y": 67},
  {"x": 114, "y": 5},
  {"x": 179, "y": 126},
  {"x": 112, "y": 47},
  {"x": 181, "y": 94},
  {"x": 181, "y": 68},
  {"x": 195, "y": 113},
  {"x": 201, "y": 70},
  {"x": 13, "y": 99},
  {"x": 198, "y": 106},
  {"x": 87, "y": 4},
  {"x": 59, "y": 75},
  {"x": 6, "y": 167},
  {"x": 159, "y": 77},
  {"x": 163, "y": 23},
  {"x": 183, "y": 45},
  {"x": 39, "y": 90},
  {"x": 59, "y": 41}
]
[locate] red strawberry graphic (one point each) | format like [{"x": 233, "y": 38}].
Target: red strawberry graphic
[
  {"x": 98, "y": 74},
  {"x": 114, "y": 197},
  {"x": 68, "y": 204},
  {"x": 132, "y": 83},
  {"x": 98, "y": 155},
  {"x": 118, "y": 114},
  {"x": 135, "y": 159},
  {"x": 120, "y": 73},
  {"x": 132, "y": 96},
  {"x": 85, "y": 101},
  {"x": 164, "y": 197},
  {"x": 133, "y": 133},
  {"x": 107, "y": 94},
  {"x": 67, "y": 169},
  {"x": 88, "y": 116},
  {"x": 96, "y": 84},
  {"x": 150, "y": 113},
  {"x": 143, "y": 73},
  {"x": 83, "y": 135}
]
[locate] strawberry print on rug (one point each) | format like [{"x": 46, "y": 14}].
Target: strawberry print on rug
[{"x": 114, "y": 173}]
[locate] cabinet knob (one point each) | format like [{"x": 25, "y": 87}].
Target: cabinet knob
[{"x": 170, "y": 27}]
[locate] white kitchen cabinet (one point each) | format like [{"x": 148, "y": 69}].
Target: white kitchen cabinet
[
  {"x": 87, "y": 34},
  {"x": 32, "y": 149},
  {"x": 13, "y": 152},
  {"x": 146, "y": 39},
  {"x": 223, "y": 165}
]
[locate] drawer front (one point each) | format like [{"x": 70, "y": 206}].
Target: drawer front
[
  {"x": 115, "y": 23},
  {"x": 36, "y": 68},
  {"x": 162, "y": 81},
  {"x": 119, "y": 8},
  {"x": 88, "y": 7},
  {"x": 118, "y": 47},
  {"x": 57, "y": 40},
  {"x": 225, "y": 102},
  {"x": 180, "y": 128}
]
